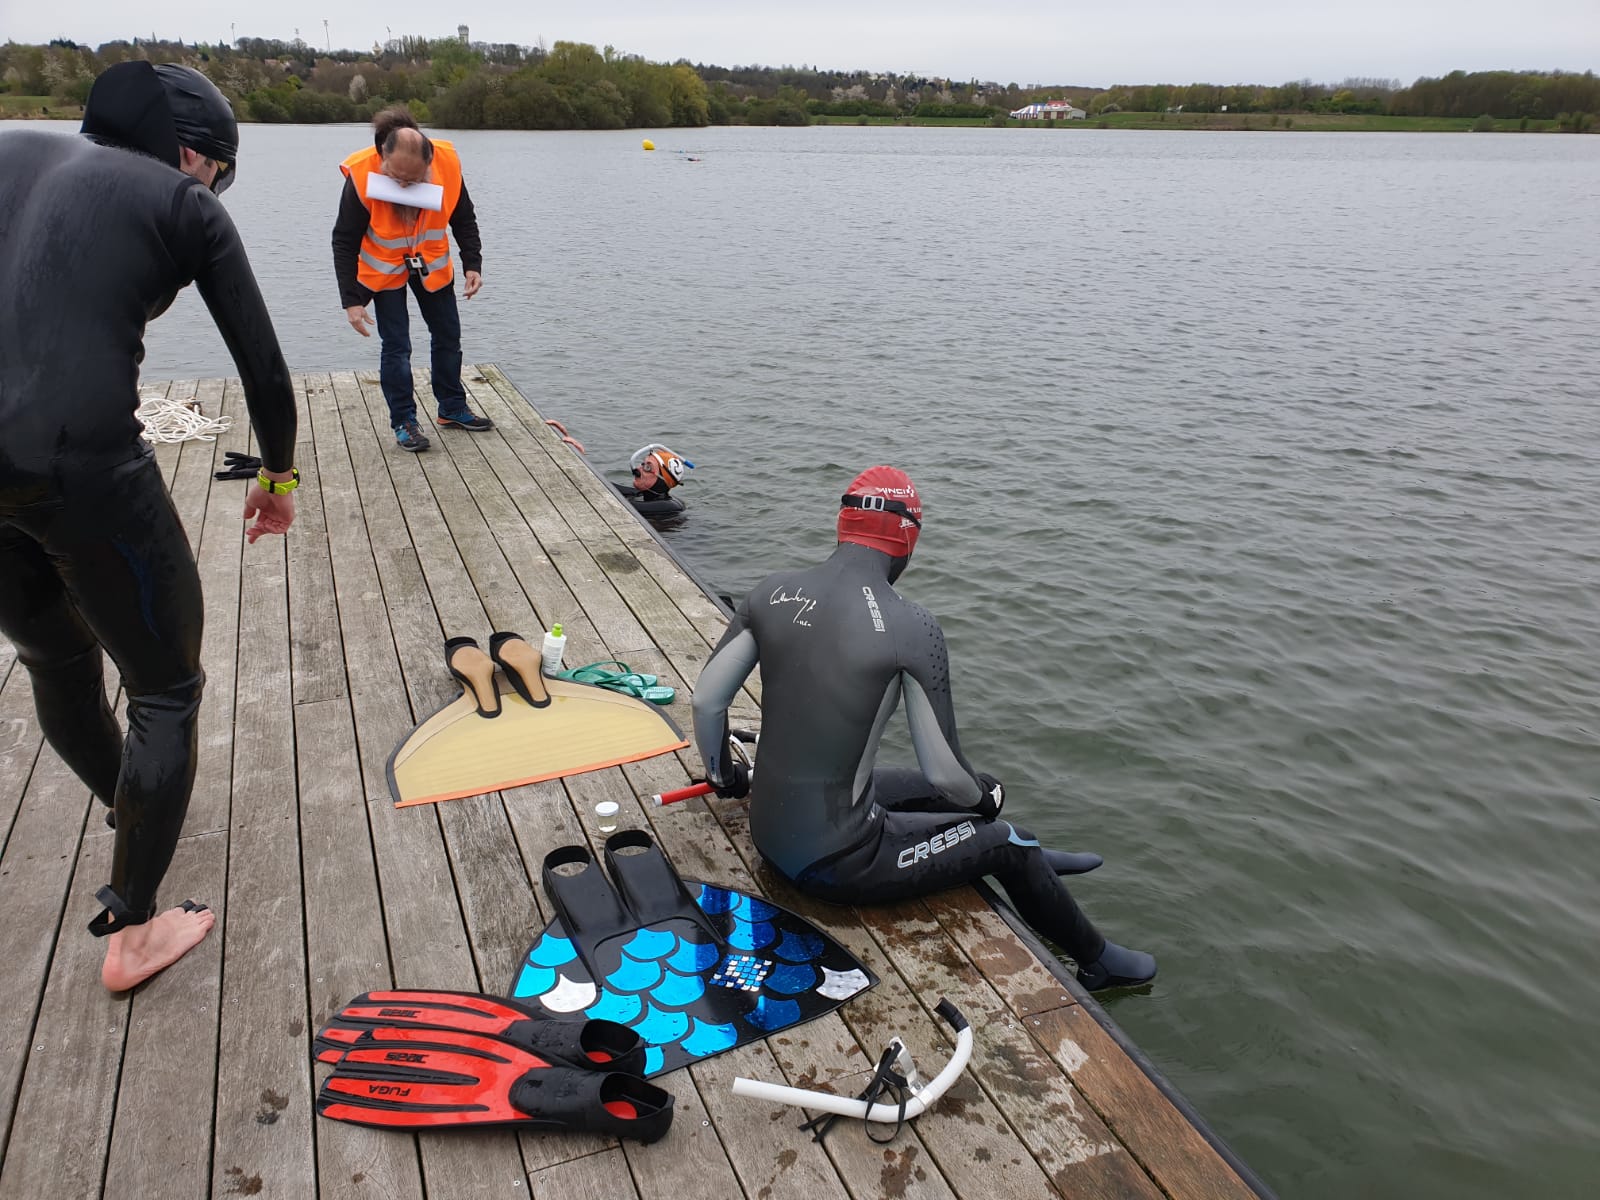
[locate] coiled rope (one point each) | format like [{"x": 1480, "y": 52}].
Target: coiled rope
[{"x": 166, "y": 420}]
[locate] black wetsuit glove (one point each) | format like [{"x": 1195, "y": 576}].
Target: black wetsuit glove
[
  {"x": 239, "y": 466},
  {"x": 993, "y": 798},
  {"x": 738, "y": 785}
]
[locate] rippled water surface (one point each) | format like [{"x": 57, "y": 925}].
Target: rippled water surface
[{"x": 1262, "y": 476}]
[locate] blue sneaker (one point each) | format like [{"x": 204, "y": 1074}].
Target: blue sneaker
[
  {"x": 408, "y": 436},
  {"x": 465, "y": 418}
]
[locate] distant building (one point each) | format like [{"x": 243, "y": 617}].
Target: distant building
[
  {"x": 461, "y": 32},
  {"x": 1050, "y": 110}
]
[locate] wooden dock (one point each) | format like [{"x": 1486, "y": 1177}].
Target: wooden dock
[{"x": 322, "y": 650}]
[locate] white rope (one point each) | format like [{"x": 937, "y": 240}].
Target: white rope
[{"x": 168, "y": 421}]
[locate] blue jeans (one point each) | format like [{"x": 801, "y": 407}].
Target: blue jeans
[{"x": 394, "y": 362}]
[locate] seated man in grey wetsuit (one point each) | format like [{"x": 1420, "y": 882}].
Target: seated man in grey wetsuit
[{"x": 838, "y": 647}]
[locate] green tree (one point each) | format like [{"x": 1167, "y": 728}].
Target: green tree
[
  {"x": 686, "y": 93},
  {"x": 452, "y": 62}
]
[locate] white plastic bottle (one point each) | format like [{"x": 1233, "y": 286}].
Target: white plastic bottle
[{"x": 555, "y": 645}]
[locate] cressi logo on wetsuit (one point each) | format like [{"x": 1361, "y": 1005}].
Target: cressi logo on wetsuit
[
  {"x": 937, "y": 844},
  {"x": 872, "y": 607}
]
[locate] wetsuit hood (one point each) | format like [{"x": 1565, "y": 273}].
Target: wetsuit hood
[
  {"x": 203, "y": 119},
  {"x": 127, "y": 106}
]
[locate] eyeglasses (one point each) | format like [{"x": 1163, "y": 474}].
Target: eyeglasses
[{"x": 223, "y": 179}]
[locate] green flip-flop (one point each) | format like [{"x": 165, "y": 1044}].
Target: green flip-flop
[{"x": 637, "y": 684}]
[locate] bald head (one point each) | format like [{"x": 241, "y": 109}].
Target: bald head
[{"x": 407, "y": 156}]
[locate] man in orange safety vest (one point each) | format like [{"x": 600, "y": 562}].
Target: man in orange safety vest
[{"x": 402, "y": 199}]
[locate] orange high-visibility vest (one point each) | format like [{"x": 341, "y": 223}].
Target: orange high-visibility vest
[{"x": 397, "y": 231}]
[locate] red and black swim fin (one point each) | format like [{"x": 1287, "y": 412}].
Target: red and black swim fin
[
  {"x": 592, "y": 1045},
  {"x": 440, "y": 1078}
]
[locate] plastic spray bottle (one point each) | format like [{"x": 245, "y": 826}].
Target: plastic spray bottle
[{"x": 555, "y": 645}]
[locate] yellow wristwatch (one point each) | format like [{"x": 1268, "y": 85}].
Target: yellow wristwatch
[{"x": 279, "y": 487}]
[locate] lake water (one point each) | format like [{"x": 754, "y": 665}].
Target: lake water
[{"x": 1262, "y": 485}]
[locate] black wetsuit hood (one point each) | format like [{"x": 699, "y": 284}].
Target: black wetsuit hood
[{"x": 127, "y": 106}]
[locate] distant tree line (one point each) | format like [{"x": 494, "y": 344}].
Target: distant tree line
[{"x": 571, "y": 85}]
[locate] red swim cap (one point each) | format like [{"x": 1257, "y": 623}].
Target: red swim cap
[{"x": 881, "y": 509}]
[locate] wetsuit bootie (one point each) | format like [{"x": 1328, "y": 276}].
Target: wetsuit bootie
[
  {"x": 1071, "y": 862},
  {"x": 1117, "y": 966}
]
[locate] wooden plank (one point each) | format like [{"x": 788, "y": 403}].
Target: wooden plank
[
  {"x": 190, "y": 484},
  {"x": 158, "y": 1147},
  {"x": 383, "y": 475},
  {"x": 773, "y": 1157},
  {"x": 468, "y": 574},
  {"x": 74, "y": 1050},
  {"x": 41, "y": 849},
  {"x": 1010, "y": 967},
  {"x": 376, "y": 567},
  {"x": 315, "y": 647},
  {"x": 1154, "y": 1131},
  {"x": 540, "y": 510},
  {"x": 20, "y": 740},
  {"x": 155, "y": 1135},
  {"x": 382, "y": 598},
  {"x": 263, "y": 1098},
  {"x": 220, "y": 541},
  {"x": 551, "y": 460},
  {"x": 1060, "y": 1129},
  {"x": 602, "y": 1176},
  {"x": 345, "y": 949}
]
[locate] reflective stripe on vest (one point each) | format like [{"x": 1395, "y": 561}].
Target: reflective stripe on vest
[{"x": 396, "y": 231}]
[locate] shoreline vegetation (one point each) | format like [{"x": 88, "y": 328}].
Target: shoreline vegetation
[{"x": 454, "y": 83}]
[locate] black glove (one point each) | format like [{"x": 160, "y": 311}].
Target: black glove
[
  {"x": 237, "y": 465},
  {"x": 738, "y": 785},
  {"x": 993, "y": 798}
]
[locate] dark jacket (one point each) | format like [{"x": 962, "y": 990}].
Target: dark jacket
[{"x": 96, "y": 240}]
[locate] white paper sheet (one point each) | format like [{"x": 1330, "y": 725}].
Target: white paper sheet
[{"x": 418, "y": 195}]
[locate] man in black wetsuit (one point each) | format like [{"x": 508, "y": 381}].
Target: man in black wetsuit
[
  {"x": 98, "y": 235},
  {"x": 838, "y": 648}
]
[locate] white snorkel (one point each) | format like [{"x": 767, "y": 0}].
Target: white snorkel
[
  {"x": 670, "y": 465},
  {"x": 896, "y": 1073}
]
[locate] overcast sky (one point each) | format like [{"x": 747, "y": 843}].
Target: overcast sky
[{"x": 1144, "y": 41}]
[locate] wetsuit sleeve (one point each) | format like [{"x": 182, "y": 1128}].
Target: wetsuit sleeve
[
  {"x": 730, "y": 665},
  {"x": 464, "y": 224},
  {"x": 226, "y": 283},
  {"x": 930, "y": 712},
  {"x": 348, "y": 230}
]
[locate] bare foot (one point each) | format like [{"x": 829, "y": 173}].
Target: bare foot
[{"x": 139, "y": 951}]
